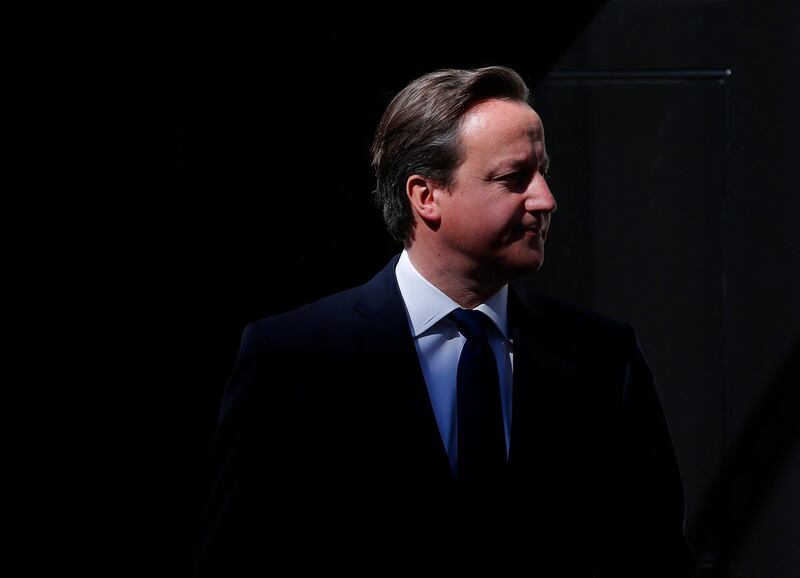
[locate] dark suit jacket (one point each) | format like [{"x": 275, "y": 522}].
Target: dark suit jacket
[{"x": 328, "y": 456}]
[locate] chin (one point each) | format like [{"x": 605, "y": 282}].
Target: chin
[{"x": 525, "y": 266}]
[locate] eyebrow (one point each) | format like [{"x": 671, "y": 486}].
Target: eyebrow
[{"x": 512, "y": 164}]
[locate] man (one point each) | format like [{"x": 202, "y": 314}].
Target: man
[{"x": 435, "y": 414}]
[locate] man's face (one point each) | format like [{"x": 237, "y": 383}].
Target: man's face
[{"x": 496, "y": 213}]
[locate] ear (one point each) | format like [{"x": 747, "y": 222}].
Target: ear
[{"x": 420, "y": 191}]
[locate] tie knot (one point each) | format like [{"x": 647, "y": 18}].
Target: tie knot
[{"x": 471, "y": 323}]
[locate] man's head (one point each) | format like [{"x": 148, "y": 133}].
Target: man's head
[{"x": 459, "y": 159}]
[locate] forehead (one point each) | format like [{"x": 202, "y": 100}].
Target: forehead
[{"x": 500, "y": 128}]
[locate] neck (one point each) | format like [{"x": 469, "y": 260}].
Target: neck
[{"x": 456, "y": 277}]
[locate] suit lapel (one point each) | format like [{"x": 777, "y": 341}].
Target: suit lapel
[
  {"x": 544, "y": 391},
  {"x": 543, "y": 395},
  {"x": 414, "y": 445}
]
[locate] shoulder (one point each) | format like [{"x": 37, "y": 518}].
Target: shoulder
[
  {"x": 333, "y": 321},
  {"x": 571, "y": 328},
  {"x": 572, "y": 318},
  {"x": 326, "y": 318}
]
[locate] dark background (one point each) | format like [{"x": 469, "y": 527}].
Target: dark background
[{"x": 183, "y": 174}]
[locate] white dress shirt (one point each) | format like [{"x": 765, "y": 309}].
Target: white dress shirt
[{"x": 439, "y": 343}]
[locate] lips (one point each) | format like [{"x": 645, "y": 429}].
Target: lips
[{"x": 535, "y": 228}]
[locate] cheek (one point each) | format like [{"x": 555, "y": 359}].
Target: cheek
[{"x": 497, "y": 228}]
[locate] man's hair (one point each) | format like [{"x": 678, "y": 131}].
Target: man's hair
[{"x": 419, "y": 133}]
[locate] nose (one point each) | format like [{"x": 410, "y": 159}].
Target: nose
[{"x": 539, "y": 198}]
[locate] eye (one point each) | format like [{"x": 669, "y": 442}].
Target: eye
[{"x": 514, "y": 177}]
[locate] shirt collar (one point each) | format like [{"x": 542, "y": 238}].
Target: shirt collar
[{"x": 427, "y": 305}]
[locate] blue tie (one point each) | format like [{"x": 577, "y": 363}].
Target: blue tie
[{"x": 481, "y": 438}]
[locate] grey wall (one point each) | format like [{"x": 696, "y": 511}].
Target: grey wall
[{"x": 671, "y": 126}]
